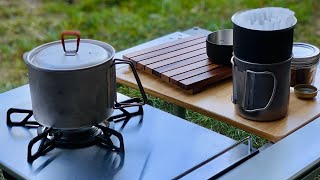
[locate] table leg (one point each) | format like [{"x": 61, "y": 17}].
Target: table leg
[
  {"x": 7, "y": 175},
  {"x": 179, "y": 111}
]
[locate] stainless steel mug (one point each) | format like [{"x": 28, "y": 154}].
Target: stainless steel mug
[{"x": 261, "y": 91}]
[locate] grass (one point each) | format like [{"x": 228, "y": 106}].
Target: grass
[{"x": 25, "y": 24}]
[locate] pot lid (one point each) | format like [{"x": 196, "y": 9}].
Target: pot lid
[{"x": 70, "y": 54}]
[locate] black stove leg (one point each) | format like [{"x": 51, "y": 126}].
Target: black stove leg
[
  {"x": 7, "y": 175},
  {"x": 128, "y": 116},
  {"x": 24, "y": 122},
  {"x": 46, "y": 144},
  {"x": 125, "y": 116},
  {"x": 109, "y": 132}
]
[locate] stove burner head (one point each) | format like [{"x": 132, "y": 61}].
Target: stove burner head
[
  {"x": 50, "y": 138},
  {"x": 73, "y": 138}
]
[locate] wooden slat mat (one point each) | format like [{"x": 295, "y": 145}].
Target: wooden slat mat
[{"x": 182, "y": 63}]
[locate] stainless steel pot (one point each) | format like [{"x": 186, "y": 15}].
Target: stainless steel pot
[
  {"x": 219, "y": 46},
  {"x": 74, "y": 89}
]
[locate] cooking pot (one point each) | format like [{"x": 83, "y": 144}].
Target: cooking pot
[{"x": 75, "y": 88}]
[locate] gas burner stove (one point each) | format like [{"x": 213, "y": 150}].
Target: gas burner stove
[
  {"x": 48, "y": 138},
  {"x": 154, "y": 144}
]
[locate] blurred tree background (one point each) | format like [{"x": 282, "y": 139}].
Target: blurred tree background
[{"x": 25, "y": 24}]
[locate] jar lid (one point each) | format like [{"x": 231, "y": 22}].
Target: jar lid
[
  {"x": 304, "y": 54},
  {"x": 70, "y": 54}
]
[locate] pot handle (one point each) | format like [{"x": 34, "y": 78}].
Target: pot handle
[
  {"x": 70, "y": 52},
  {"x": 131, "y": 102}
]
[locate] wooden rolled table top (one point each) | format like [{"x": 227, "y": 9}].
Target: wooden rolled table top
[{"x": 215, "y": 102}]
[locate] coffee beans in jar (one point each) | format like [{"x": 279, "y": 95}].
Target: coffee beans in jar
[{"x": 304, "y": 64}]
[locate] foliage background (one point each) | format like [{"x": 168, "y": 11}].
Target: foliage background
[{"x": 25, "y": 24}]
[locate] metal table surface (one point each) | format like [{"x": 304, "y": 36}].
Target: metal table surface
[
  {"x": 160, "y": 147},
  {"x": 297, "y": 156}
]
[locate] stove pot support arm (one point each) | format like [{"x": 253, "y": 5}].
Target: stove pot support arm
[{"x": 124, "y": 104}]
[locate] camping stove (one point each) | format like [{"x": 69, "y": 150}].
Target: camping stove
[{"x": 48, "y": 138}]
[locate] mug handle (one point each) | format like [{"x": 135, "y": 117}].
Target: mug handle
[
  {"x": 247, "y": 92},
  {"x": 134, "y": 101},
  {"x": 234, "y": 82}
]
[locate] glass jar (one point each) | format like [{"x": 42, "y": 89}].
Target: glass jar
[{"x": 304, "y": 64}]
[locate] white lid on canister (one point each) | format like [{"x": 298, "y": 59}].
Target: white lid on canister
[{"x": 304, "y": 54}]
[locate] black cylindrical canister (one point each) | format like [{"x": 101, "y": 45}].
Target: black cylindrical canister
[{"x": 262, "y": 46}]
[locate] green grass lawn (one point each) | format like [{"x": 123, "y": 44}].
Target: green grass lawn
[{"x": 25, "y": 24}]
